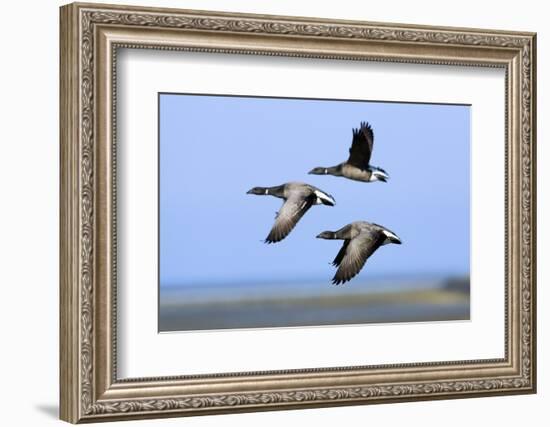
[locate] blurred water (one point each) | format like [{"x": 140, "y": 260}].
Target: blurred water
[{"x": 263, "y": 305}]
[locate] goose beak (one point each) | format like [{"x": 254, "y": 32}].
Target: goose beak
[{"x": 396, "y": 240}]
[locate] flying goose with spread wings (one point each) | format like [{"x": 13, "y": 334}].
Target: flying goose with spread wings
[
  {"x": 361, "y": 240},
  {"x": 358, "y": 166},
  {"x": 298, "y": 198}
]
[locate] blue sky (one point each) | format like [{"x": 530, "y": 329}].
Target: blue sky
[{"x": 213, "y": 149}]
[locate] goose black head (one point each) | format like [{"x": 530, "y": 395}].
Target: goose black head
[
  {"x": 326, "y": 235},
  {"x": 318, "y": 171},
  {"x": 260, "y": 191}
]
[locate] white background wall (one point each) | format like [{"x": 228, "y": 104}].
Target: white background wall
[{"x": 29, "y": 170}]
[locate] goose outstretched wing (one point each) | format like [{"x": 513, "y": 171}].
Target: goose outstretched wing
[
  {"x": 341, "y": 253},
  {"x": 361, "y": 146},
  {"x": 288, "y": 216},
  {"x": 354, "y": 253}
]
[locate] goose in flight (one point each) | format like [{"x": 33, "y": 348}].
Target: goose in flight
[
  {"x": 357, "y": 166},
  {"x": 361, "y": 239},
  {"x": 298, "y": 198}
]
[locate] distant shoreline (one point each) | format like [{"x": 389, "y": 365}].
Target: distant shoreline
[
  {"x": 332, "y": 308},
  {"x": 307, "y": 289}
]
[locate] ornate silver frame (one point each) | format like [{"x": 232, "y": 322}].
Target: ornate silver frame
[{"x": 90, "y": 35}]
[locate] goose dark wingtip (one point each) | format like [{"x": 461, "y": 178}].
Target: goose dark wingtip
[{"x": 273, "y": 239}]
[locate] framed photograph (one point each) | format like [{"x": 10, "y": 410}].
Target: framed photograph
[{"x": 266, "y": 212}]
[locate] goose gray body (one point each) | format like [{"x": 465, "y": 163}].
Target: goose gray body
[
  {"x": 361, "y": 240},
  {"x": 357, "y": 167},
  {"x": 298, "y": 198}
]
